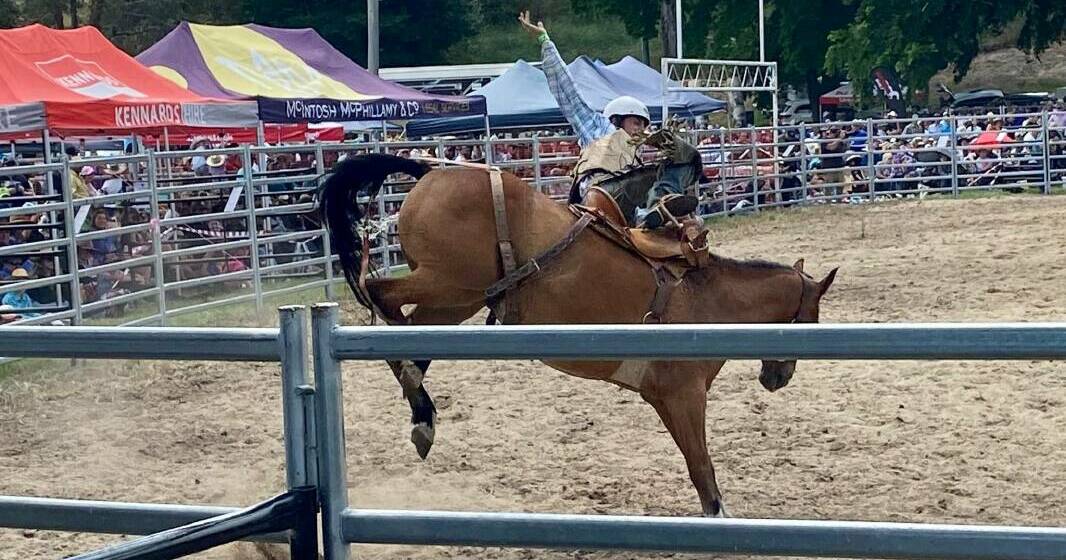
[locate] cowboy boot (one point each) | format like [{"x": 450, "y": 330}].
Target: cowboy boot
[{"x": 669, "y": 208}]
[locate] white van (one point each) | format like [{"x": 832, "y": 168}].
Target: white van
[{"x": 797, "y": 111}]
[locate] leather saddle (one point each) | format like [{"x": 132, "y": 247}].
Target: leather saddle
[{"x": 680, "y": 246}]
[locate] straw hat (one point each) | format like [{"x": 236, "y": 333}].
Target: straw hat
[
  {"x": 115, "y": 169},
  {"x": 25, "y": 218},
  {"x": 20, "y": 273},
  {"x": 217, "y": 160}
]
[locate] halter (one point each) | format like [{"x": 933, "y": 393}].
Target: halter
[{"x": 803, "y": 295}]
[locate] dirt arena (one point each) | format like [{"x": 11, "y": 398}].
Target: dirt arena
[{"x": 895, "y": 441}]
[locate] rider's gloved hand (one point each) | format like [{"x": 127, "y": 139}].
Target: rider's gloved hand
[{"x": 537, "y": 30}]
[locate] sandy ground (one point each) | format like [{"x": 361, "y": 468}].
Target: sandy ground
[{"x": 899, "y": 441}]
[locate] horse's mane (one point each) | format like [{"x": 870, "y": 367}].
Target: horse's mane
[{"x": 748, "y": 264}]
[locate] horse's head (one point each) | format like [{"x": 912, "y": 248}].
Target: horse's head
[{"x": 776, "y": 374}]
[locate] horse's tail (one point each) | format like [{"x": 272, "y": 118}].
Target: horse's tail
[{"x": 339, "y": 207}]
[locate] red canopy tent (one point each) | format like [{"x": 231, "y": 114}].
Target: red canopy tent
[
  {"x": 76, "y": 82},
  {"x": 842, "y": 95},
  {"x": 299, "y": 133}
]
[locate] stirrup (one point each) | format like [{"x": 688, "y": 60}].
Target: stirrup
[{"x": 667, "y": 210}]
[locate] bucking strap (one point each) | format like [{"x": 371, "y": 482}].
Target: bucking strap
[
  {"x": 503, "y": 233},
  {"x": 513, "y": 279},
  {"x": 664, "y": 288}
]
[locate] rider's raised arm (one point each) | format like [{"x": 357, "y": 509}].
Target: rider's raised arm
[{"x": 589, "y": 124}]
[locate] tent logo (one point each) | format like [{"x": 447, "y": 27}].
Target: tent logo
[{"x": 85, "y": 77}]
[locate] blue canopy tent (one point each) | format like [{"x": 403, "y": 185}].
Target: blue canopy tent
[
  {"x": 520, "y": 98},
  {"x": 630, "y": 76}
]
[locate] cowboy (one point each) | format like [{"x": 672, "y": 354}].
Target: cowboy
[{"x": 610, "y": 142}]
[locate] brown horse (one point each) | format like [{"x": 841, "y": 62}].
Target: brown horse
[{"x": 447, "y": 233}]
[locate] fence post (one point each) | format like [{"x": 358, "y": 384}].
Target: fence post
[
  {"x": 327, "y": 250},
  {"x": 954, "y": 156},
  {"x": 157, "y": 237},
  {"x": 386, "y": 256},
  {"x": 329, "y": 421},
  {"x": 536, "y": 164},
  {"x": 72, "y": 242},
  {"x": 293, "y": 339},
  {"x": 803, "y": 160},
  {"x": 253, "y": 228},
  {"x": 721, "y": 169},
  {"x": 871, "y": 170},
  {"x": 775, "y": 157},
  {"x": 1045, "y": 147},
  {"x": 755, "y": 168}
]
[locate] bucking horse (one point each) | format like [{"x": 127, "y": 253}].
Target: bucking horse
[{"x": 481, "y": 237}]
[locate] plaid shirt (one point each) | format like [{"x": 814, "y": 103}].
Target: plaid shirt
[{"x": 589, "y": 125}]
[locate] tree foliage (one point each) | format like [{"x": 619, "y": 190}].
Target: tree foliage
[
  {"x": 820, "y": 42},
  {"x": 816, "y": 43},
  {"x": 10, "y": 14},
  {"x": 640, "y": 17},
  {"x": 918, "y": 40},
  {"x": 411, "y": 32}
]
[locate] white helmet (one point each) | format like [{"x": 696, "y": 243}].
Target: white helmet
[{"x": 625, "y": 106}]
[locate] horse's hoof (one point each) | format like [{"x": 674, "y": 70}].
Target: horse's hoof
[
  {"x": 422, "y": 437},
  {"x": 721, "y": 512},
  {"x": 411, "y": 376}
]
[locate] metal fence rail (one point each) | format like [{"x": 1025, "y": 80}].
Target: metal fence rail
[
  {"x": 128, "y": 343},
  {"x": 342, "y": 525},
  {"x": 315, "y": 435},
  {"x": 94, "y": 516},
  {"x": 858, "y": 341},
  {"x": 745, "y": 170},
  {"x": 771, "y": 537},
  {"x": 285, "y": 345}
]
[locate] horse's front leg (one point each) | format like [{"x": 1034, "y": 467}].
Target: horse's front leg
[{"x": 679, "y": 395}]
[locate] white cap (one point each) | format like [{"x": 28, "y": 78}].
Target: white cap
[{"x": 625, "y": 106}]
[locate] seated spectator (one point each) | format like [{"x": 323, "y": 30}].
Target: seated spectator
[
  {"x": 104, "y": 250},
  {"x": 19, "y": 299}
]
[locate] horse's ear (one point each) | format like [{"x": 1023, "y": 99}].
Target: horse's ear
[
  {"x": 828, "y": 280},
  {"x": 798, "y": 265}
]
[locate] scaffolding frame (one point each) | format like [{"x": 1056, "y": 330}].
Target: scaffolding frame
[{"x": 722, "y": 76}]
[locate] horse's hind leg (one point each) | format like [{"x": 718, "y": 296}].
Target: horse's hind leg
[{"x": 410, "y": 374}]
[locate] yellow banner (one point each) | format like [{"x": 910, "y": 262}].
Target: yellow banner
[{"x": 249, "y": 63}]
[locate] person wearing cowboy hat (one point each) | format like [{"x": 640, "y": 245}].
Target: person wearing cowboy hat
[
  {"x": 19, "y": 299},
  {"x": 30, "y": 218},
  {"x": 216, "y": 164},
  {"x": 116, "y": 169}
]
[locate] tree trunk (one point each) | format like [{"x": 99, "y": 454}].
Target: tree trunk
[
  {"x": 645, "y": 51},
  {"x": 57, "y": 14},
  {"x": 96, "y": 12},
  {"x": 667, "y": 27},
  {"x": 73, "y": 14},
  {"x": 812, "y": 96}
]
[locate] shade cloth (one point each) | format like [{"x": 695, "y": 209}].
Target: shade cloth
[
  {"x": 77, "y": 81},
  {"x": 294, "y": 75},
  {"x": 520, "y": 98}
]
